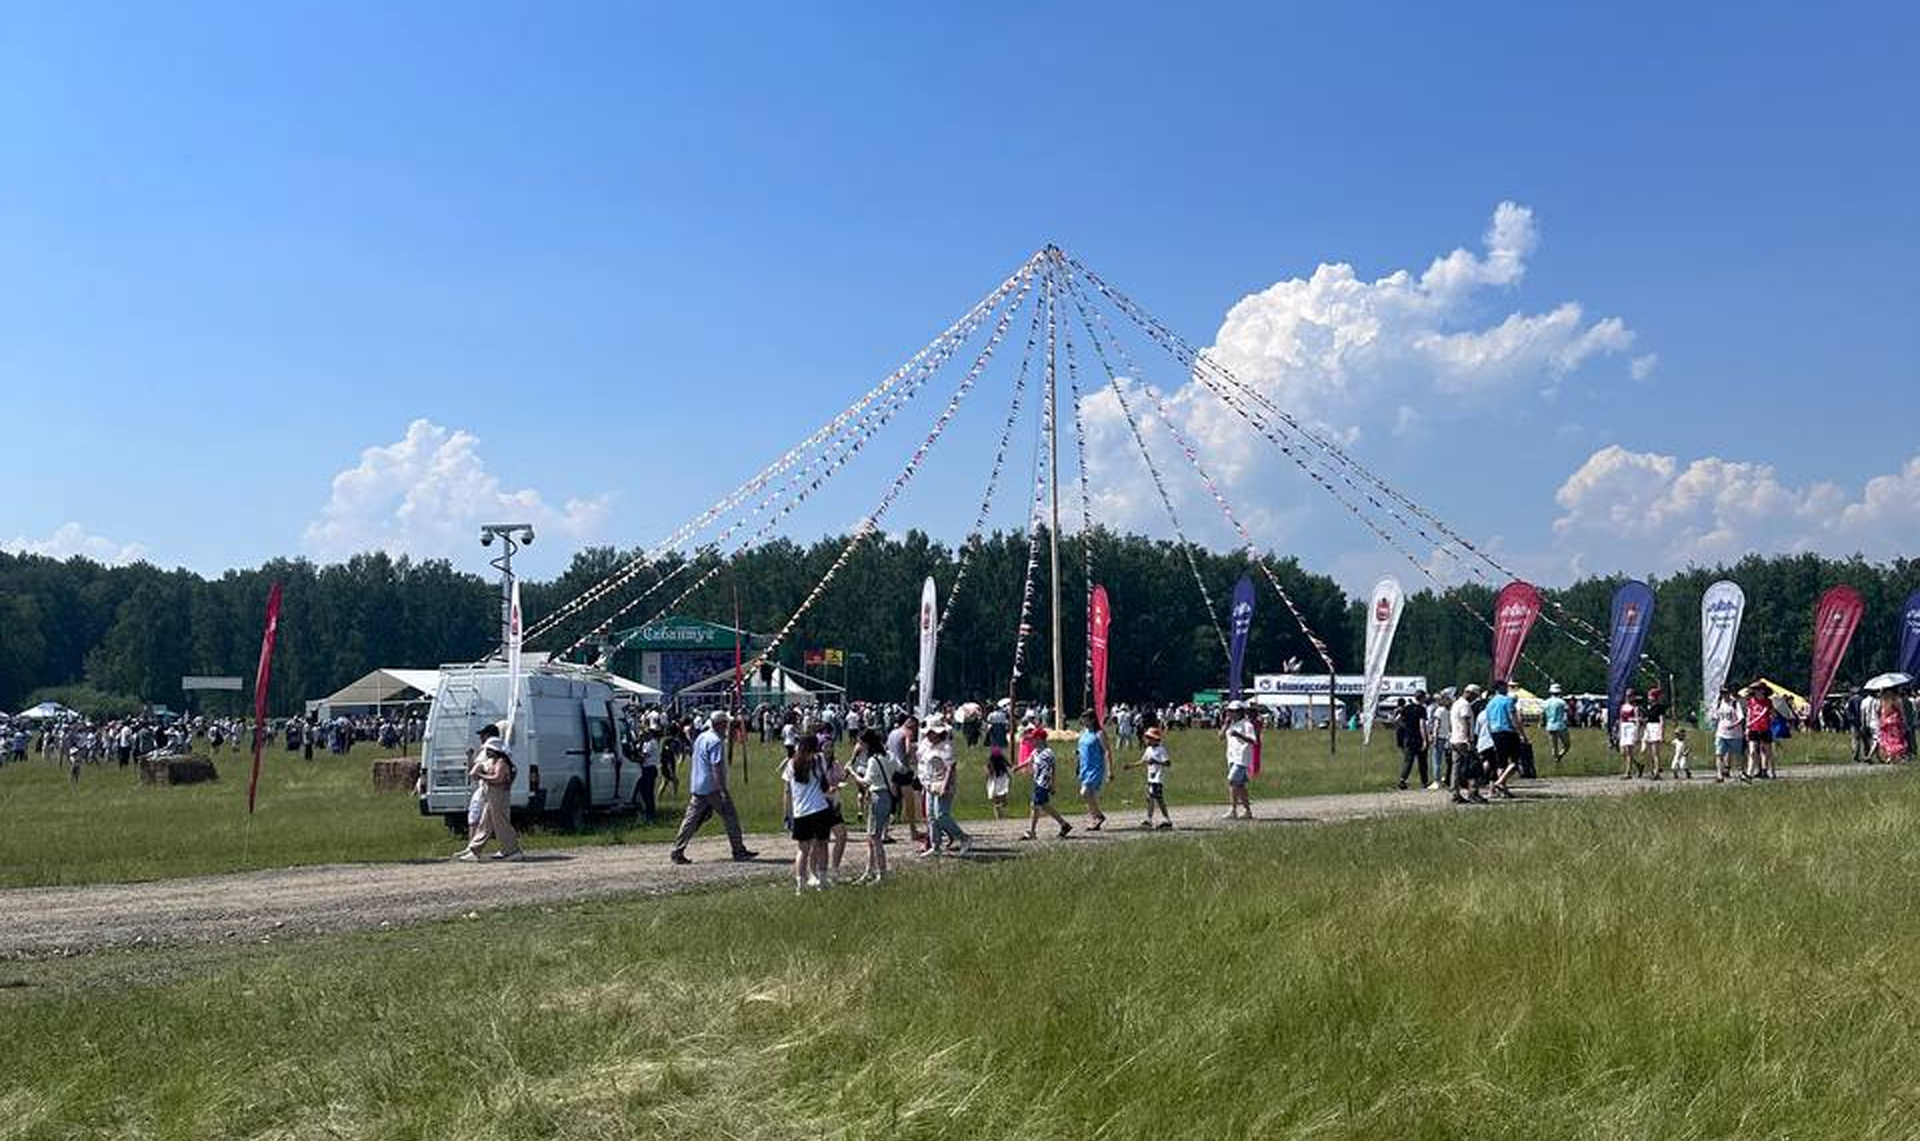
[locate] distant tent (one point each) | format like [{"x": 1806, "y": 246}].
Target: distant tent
[
  {"x": 785, "y": 687},
  {"x": 1799, "y": 699},
  {"x": 47, "y": 711},
  {"x": 380, "y": 688}
]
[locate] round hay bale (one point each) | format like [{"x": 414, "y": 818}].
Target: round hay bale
[
  {"x": 172, "y": 770},
  {"x": 396, "y": 774}
]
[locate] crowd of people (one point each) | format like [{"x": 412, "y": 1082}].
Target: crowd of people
[
  {"x": 882, "y": 766},
  {"x": 78, "y": 741},
  {"x": 901, "y": 770}
]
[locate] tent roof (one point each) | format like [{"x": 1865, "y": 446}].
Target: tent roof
[
  {"x": 629, "y": 685},
  {"x": 48, "y": 709},
  {"x": 381, "y": 686},
  {"x": 785, "y": 681},
  {"x": 1777, "y": 688}
]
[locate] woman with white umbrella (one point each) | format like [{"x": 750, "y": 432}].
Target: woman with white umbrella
[{"x": 1893, "y": 728}]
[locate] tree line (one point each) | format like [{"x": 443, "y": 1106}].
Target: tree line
[{"x": 118, "y": 637}]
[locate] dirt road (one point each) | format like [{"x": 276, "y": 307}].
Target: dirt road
[{"x": 293, "y": 902}]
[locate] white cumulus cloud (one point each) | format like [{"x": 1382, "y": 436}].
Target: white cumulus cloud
[
  {"x": 1396, "y": 354},
  {"x": 1644, "y": 511},
  {"x": 71, "y": 539},
  {"x": 1337, "y": 348},
  {"x": 426, "y": 494}
]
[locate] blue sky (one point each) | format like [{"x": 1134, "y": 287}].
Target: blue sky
[{"x": 620, "y": 256}]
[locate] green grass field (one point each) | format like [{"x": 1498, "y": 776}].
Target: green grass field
[
  {"x": 1735, "y": 964},
  {"x": 109, "y": 829}
]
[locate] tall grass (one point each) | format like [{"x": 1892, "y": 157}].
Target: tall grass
[
  {"x": 1738, "y": 964},
  {"x": 110, "y": 829}
]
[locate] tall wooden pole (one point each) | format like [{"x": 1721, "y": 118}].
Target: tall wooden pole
[
  {"x": 1333, "y": 728},
  {"x": 1053, "y": 491}
]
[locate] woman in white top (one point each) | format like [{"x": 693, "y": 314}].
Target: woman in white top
[
  {"x": 807, "y": 805},
  {"x": 1630, "y": 737},
  {"x": 1729, "y": 734},
  {"x": 874, "y": 770}
]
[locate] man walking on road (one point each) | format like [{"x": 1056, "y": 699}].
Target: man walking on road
[
  {"x": 1553, "y": 717},
  {"x": 1411, "y": 731},
  {"x": 707, "y": 789}
]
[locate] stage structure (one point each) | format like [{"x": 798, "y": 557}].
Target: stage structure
[
  {"x": 1081, "y": 337},
  {"x": 673, "y": 653}
]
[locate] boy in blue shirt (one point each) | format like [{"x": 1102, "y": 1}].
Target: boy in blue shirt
[{"x": 1042, "y": 761}]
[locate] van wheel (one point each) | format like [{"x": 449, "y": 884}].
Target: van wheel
[{"x": 573, "y": 807}]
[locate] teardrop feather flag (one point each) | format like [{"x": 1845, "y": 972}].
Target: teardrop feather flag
[
  {"x": 1632, "y": 619},
  {"x": 1909, "y": 660},
  {"x": 1721, "y": 608},
  {"x": 1242, "y": 618},
  {"x": 1514, "y": 610},
  {"x": 1834, "y": 621},
  {"x": 261, "y": 675},
  {"x": 1099, "y": 619},
  {"x": 929, "y": 645},
  {"x": 1383, "y": 618}
]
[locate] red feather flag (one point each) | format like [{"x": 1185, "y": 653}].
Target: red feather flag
[
  {"x": 260, "y": 678},
  {"x": 1834, "y": 620},
  {"x": 1099, "y": 619}
]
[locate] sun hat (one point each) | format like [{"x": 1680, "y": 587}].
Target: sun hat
[
  {"x": 1152, "y": 735},
  {"x": 1553, "y": 689}
]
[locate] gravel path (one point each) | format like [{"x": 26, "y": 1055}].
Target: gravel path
[{"x": 265, "y": 906}]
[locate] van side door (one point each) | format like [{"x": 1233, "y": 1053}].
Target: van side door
[{"x": 606, "y": 774}]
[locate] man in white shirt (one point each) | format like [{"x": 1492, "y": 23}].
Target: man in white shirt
[
  {"x": 1238, "y": 733},
  {"x": 1466, "y": 763}
]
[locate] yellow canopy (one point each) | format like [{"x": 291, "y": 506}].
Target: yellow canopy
[{"x": 1798, "y": 699}]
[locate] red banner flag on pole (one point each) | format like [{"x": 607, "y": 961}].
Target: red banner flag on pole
[
  {"x": 1513, "y": 613},
  {"x": 1834, "y": 621},
  {"x": 1099, "y": 619},
  {"x": 260, "y": 678}
]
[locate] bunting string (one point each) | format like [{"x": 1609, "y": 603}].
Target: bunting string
[
  {"x": 972, "y": 544},
  {"x": 1369, "y": 523},
  {"x": 1343, "y": 462},
  {"x": 794, "y": 492},
  {"x": 1037, "y": 515},
  {"x": 1080, "y": 461},
  {"x": 962, "y": 329},
  {"x": 900, "y": 483},
  {"x": 1254, "y": 554}
]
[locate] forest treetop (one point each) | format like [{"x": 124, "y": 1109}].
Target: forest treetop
[{"x": 129, "y": 633}]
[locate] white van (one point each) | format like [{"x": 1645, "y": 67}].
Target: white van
[{"x": 569, "y": 754}]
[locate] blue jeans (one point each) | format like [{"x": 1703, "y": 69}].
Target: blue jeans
[{"x": 943, "y": 824}]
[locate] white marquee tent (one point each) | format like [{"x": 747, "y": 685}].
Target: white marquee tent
[{"x": 378, "y": 689}]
